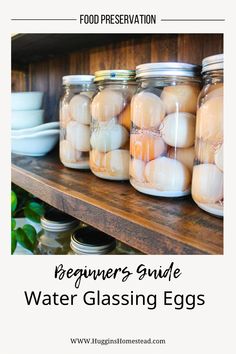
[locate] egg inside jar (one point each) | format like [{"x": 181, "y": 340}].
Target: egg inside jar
[
  {"x": 208, "y": 171},
  {"x": 163, "y": 120},
  {"x": 111, "y": 116},
  {"x": 75, "y": 120}
]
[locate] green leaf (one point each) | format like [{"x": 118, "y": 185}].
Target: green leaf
[
  {"x": 13, "y": 224},
  {"x": 23, "y": 240},
  {"x": 13, "y": 242},
  {"x": 13, "y": 201},
  {"x": 30, "y": 233},
  {"x": 33, "y": 211}
]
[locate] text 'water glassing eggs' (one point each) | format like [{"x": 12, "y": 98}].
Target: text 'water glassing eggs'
[
  {"x": 147, "y": 110},
  {"x": 219, "y": 158},
  {"x": 104, "y": 139},
  {"x": 147, "y": 146},
  {"x": 79, "y": 108},
  {"x": 207, "y": 183},
  {"x": 180, "y": 98},
  {"x": 210, "y": 120},
  {"x": 107, "y": 104},
  {"x": 136, "y": 170},
  {"x": 78, "y": 135},
  {"x": 117, "y": 163},
  {"x": 168, "y": 174},
  {"x": 184, "y": 155},
  {"x": 178, "y": 129}
]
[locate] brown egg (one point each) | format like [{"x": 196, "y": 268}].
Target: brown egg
[
  {"x": 205, "y": 152},
  {"x": 79, "y": 108},
  {"x": 117, "y": 163},
  {"x": 147, "y": 110},
  {"x": 78, "y": 135},
  {"x": 168, "y": 174},
  {"x": 146, "y": 147},
  {"x": 65, "y": 117},
  {"x": 178, "y": 129},
  {"x": 124, "y": 117},
  {"x": 107, "y": 104},
  {"x": 136, "y": 170},
  {"x": 215, "y": 90},
  {"x": 67, "y": 152},
  {"x": 207, "y": 183},
  {"x": 180, "y": 98},
  {"x": 219, "y": 158},
  {"x": 97, "y": 159},
  {"x": 210, "y": 120},
  {"x": 184, "y": 155}
]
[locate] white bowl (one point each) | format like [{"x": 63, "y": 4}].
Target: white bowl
[
  {"x": 21, "y": 101},
  {"x": 26, "y": 119},
  {"x": 39, "y": 128},
  {"x": 36, "y": 144}
]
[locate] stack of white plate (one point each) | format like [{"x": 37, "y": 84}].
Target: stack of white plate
[{"x": 29, "y": 136}]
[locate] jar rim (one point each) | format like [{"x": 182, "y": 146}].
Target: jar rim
[
  {"x": 58, "y": 221},
  {"x": 77, "y": 79},
  {"x": 213, "y": 62},
  {"x": 167, "y": 69},
  {"x": 114, "y": 75}
]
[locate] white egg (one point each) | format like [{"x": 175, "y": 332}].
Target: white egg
[
  {"x": 65, "y": 117},
  {"x": 180, "y": 98},
  {"x": 67, "y": 152},
  {"x": 89, "y": 94},
  {"x": 136, "y": 170},
  {"x": 184, "y": 155},
  {"x": 107, "y": 104},
  {"x": 117, "y": 163},
  {"x": 207, "y": 183},
  {"x": 219, "y": 161},
  {"x": 147, "y": 110},
  {"x": 205, "y": 151},
  {"x": 210, "y": 120},
  {"x": 168, "y": 174},
  {"x": 178, "y": 129},
  {"x": 80, "y": 109},
  {"x": 104, "y": 139},
  {"x": 79, "y": 135}
]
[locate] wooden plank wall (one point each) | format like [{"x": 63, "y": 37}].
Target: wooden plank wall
[{"x": 46, "y": 75}]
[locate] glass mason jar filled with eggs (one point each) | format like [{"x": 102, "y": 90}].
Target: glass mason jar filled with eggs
[
  {"x": 207, "y": 183},
  {"x": 163, "y": 128},
  {"x": 75, "y": 119},
  {"x": 109, "y": 155}
]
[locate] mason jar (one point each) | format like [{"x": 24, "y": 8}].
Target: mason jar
[
  {"x": 163, "y": 128},
  {"x": 109, "y": 155},
  {"x": 57, "y": 228},
  {"x": 208, "y": 171},
  {"x": 75, "y": 119}
]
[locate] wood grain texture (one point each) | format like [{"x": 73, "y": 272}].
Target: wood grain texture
[
  {"x": 97, "y": 52},
  {"x": 151, "y": 225}
]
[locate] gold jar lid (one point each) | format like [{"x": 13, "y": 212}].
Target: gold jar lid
[{"x": 114, "y": 75}]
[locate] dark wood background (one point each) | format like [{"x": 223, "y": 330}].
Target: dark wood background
[{"x": 46, "y": 74}]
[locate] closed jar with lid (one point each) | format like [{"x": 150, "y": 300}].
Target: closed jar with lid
[
  {"x": 109, "y": 155},
  {"x": 57, "y": 228},
  {"x": 163, "y": 128},
  {"x": 75, "y": 119},
  {"x": 207, "y": 183}
]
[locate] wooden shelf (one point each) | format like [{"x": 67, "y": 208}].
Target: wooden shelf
[{"x": 151, "y": 225}]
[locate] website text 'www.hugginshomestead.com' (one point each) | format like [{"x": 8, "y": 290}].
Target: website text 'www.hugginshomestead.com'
[{"x": 115, "y": 341}]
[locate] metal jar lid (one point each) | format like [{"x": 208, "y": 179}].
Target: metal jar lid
[
  {"x": 163, "y": 69},
  {"x": 91, "y": 241},
  {"x": 214, "y": 62},
  {"x": 77, "y": 79},
  {"x": 114, "y": 75},
  {"x": 56, "y": 221}
]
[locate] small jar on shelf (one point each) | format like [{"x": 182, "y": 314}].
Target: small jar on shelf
[
  {"x": 207, "y": 183},
  {"x": 109, "y": 155},
  {"x": 75, "y": 119},
  {"x": 56, "y": 233},
  {"x": 163, "y": 128}
]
